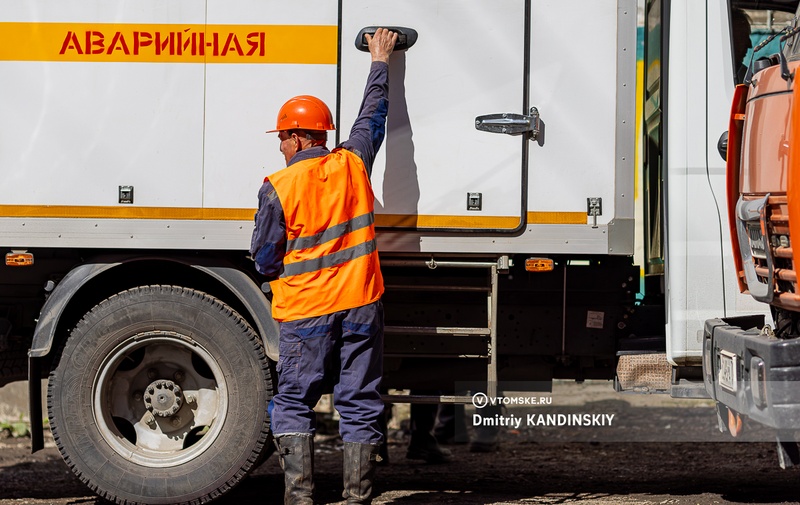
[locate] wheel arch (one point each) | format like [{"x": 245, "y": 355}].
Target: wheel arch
[{"x": 91, "y": 282}]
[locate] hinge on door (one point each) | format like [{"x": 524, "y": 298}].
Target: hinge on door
[
  {"x": 594, "y": 208},
  {"x": 511, "y": 124}
]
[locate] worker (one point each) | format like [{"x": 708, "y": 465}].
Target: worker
[{"x": 314, "y": 238}]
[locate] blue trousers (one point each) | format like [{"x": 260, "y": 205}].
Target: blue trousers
[{"x": 345, "y": 348}]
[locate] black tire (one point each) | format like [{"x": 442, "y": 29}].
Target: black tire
[{"x": 160, "y": 396}]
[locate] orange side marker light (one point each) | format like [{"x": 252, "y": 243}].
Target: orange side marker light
[
  {"x": 539, "y": 265},
  {"x": 19, "y": 259}
]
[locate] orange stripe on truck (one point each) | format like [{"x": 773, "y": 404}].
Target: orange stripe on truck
[
  {"x": 167, "y": 43},
  {"x": 233, "y": 214},
  {"x": 110, "y": 212},
  {"x": 476, "y": 222}
]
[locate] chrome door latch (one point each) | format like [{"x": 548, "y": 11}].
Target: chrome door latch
[{"x": 511, "y": 124}]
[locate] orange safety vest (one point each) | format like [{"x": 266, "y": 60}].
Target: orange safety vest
[{"x": 331, "y": 261}]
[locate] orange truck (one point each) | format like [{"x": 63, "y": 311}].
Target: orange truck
[{"x": 750, "y": 367}]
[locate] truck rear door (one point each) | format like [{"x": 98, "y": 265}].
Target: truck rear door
[{"x": 436, "y": 170}]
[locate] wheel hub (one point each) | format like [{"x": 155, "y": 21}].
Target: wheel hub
[{"x": 163, "y": 398}]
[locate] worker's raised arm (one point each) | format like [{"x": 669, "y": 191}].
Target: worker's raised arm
[{"x": 369, "y": 129}]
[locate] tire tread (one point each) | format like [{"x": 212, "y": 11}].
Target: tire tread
[{"x": 90, "y": 318}]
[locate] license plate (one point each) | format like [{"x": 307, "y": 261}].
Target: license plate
[{"x": 727, "y": 370}]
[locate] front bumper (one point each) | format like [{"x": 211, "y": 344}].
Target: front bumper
[{"x": 752, "y": 374}]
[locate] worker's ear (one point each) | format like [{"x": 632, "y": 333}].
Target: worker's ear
[{"x": 298, "y": 142}]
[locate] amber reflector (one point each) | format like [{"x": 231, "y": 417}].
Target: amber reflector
[
  {"x": 19, "y": 259},
  {"x": 539, "y": 265}
]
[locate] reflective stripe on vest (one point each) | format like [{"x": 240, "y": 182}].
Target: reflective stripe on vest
[
  {"x": 331, "y": 261},
  {"x": 331, "y": 233}
]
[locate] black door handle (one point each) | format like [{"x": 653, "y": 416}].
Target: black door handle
[
  {"x": 406, "y": 37},
  {"x": 722, "y": 145}
]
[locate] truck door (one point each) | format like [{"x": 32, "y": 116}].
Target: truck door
[{"x": 436, "y": 170}]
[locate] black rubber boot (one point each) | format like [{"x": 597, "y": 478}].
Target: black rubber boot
[
  {"x": 485, "y": 438},
  {"x": 360, "y": 461},
  {"x": 296, "y": 453},
  {"x": 451, "y": 425},
  {"x": 423, "y": 446}
]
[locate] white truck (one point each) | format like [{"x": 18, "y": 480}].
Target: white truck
[{"x": 509, "y": 202}]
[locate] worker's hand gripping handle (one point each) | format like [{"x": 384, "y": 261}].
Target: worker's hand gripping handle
[{"x": 406, "y": 37}]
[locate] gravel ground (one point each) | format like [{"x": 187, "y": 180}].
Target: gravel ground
[{"x": 657, "y": 451}]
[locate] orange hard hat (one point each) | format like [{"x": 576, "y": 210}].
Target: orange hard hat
[{"x": 304, "y": 112}]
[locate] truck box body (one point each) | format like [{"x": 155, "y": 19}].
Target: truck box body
[{"x": 170, "y": 102}]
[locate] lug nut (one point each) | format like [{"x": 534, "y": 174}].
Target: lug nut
[
  {"x": 149, "y": 419},
  {"x": 152, "y": 373},
  {"x": 179, "y": 376},
  {"x": 176, "y": 421},
  {"x": 137, "y": 396}
]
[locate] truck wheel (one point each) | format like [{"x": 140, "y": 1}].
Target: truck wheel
[{"x": 160, "y": 396}]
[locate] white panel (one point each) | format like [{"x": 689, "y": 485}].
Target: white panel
[
  {"x": 677, "y": 153},
  {"x": 125, "y": 233},
  {"x": 574, "y": 86},
  {"x": 242, "y": 101},
  {"x": 86, "y": 128},
  {"x": 467, "y": 62},
  {"x": 103, "y": 11},
  {"x": 707, "y": 225},
  {"x": 273, "y": 12}
]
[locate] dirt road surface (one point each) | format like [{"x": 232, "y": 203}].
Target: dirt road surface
[{"x": 656, "y": 451}]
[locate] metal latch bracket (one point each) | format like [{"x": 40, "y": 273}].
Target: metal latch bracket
[
  {"x": 594, "y": 208},
  {"x": 511, "y": 124}
]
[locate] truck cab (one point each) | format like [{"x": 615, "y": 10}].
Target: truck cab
[{"x": 750, "y": 365}]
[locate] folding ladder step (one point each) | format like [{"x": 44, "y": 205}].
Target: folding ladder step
[
  {"x": 460, "y": 289},
  {"x": 437, "y": 330},
  {"x": 490, "y": 290},
  {"x": 426, "y": 399},
  {"x": 432, "y": 355}
]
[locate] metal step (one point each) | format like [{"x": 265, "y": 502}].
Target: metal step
[
  {"x": 491, "y": 290},
  {"x": 426, "y": 399},
  {"x": 437, "y": 330}
]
